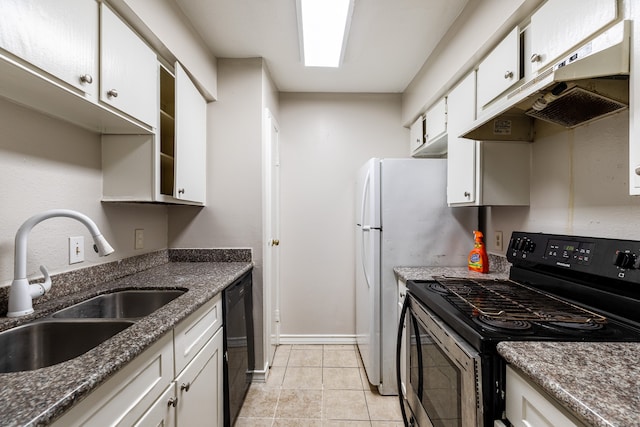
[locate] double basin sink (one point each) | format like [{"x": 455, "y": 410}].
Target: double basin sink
[{"x": 72, "y": 331}]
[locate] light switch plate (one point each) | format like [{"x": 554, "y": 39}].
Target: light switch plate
[
  {"x": 139, "y": 239},
  {"x": 76, "y": 249},
  {"x": 498, "y": 240}
]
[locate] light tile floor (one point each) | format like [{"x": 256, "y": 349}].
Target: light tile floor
[{"x": 317, "y": 386}]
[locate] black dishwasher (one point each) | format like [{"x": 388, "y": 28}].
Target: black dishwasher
[{"x": 239, "y": 360}]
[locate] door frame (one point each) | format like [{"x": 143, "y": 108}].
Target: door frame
[{"x": 271, "y": 215}]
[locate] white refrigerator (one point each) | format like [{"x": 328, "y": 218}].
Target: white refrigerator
[{"x": 402, "y": 219}]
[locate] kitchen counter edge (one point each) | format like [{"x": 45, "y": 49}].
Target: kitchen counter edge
[
  {"x": 597, "y": 382},
  {"x": 38, "y": 397}
]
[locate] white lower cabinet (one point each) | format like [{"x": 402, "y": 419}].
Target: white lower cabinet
[
  {"x": 200, "y": 388},
  {"x": 177, "y": 381},
  {"x": 162, "y": 412},
  {"x": 196, "y": 397},
  {"x": 527, "y": 406},
  {"x": 126, "y": 396}
]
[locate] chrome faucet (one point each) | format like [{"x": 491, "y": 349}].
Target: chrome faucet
[{"x": 22, "y": 294}]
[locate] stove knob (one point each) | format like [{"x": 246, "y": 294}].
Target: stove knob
[{"x": 624, "y": 259}]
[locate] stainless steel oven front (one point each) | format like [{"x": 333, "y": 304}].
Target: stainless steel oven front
[{"x": 444, "y": 384}]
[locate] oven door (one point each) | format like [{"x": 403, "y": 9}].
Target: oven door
[{"x": 445, "y": 381}]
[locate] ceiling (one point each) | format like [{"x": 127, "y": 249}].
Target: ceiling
[{"x": 389, "y": 40}]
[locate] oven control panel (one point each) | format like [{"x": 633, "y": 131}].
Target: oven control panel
[{"x": 613, "y": 258}]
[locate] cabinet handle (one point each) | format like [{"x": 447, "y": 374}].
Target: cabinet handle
[
  {"x": 113, "y": 93},
  {"x": 181, "y": 191},
  {"x": 173, "y": 402},
  {"x": 638, "y": 170},
  {"x": 508, "y": 74},
  {"x": 535, "y": 57},
  {"x": 467, "y": 194},
  {"x": 86, "y": 78},
  {"x": 185, "y": 387}
]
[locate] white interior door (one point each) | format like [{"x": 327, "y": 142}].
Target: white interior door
[{"x": 272, "y": 236}]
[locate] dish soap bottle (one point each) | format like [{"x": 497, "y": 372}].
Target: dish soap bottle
[{"x": 478, "y": 259}]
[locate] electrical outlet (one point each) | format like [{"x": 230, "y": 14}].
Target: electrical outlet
[
  {"x": 139, "y": 239},
  {"x": 76, "y": 249},
  {"x": 498, "y": 240}
]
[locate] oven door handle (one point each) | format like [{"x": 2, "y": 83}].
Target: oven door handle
[{"x": 419, "y": 356}]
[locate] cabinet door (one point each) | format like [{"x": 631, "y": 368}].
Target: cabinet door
[
  {"x": 461, "y": 157},
  {"x": 128, "y": 70},
  {"x": 200, "y": 387},
  {"x": 416, "y": 134},
  {"x": 528, "y": 407},
  {"x": 59, "y": 37},
  {"x": 559, "y": 25},
  {"x": 127, "y": 395},
  {"x": 162, "y": 413},
  {"x": 436, "y": 121},
  {"x": 499, "y": 70},
  {"x": 191, "y": 140}
]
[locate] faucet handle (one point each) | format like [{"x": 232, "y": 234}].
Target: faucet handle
[{"x": 38, "y": 289}]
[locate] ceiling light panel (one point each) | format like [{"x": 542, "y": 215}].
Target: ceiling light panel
[{"x": 325, "y": 24}]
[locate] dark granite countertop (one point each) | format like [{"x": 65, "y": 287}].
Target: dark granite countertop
[
  {"x": 38, "y": 397},
  {"x": 498, "y": 269},
  {"x": 598, "y": 382}
]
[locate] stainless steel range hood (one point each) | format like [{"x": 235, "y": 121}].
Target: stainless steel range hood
[{"x": 590, "y": 83}]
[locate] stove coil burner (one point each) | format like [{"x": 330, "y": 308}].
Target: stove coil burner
[
  {"x": 577, "y": 326},
  {"x": 503, "y": 324},
  {"x": 439, "y": 288}
]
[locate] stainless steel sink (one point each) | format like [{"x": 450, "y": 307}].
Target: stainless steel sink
[
  {"x": 46, "y": 343},
  {"x": 130, "y": 304}
]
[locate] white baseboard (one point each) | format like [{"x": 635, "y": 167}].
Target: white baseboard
[
  {"x": 260, "y": 376},
  {"x": 317, "y": 339}
]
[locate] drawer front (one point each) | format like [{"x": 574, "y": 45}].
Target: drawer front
[
  {"x": 162, "y": 413},
  {"x": 192, "y": 334},
  {"x": 129, "y": 393},
  {"x": 527, "y": 407}
]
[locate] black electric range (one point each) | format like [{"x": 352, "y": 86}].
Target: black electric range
[{"x": 560, "y": 288}]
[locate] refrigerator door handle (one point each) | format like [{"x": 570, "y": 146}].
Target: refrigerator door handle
[{"x": 365, "y": 191}]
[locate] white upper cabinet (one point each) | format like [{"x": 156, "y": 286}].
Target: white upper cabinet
[
  {"x": 169, "y": 166},
  {"x": 416, "y": 134},
  {"x": 500, "y": 69},
  {"x": 560, "y": 25},
  {"x": 191, "y": 140},
  {"x": 59, "y": 37},
  {"x": 436, "y": 120},
  {"x": 429, "y": 133},
  {"x": 461, "y": 157},
  {"x": 128, "y": 70},
  {"x": 482, "y": 173}
]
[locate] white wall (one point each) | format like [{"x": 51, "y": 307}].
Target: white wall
[
  {"x": 480, "y": 26},
  {"x": 324, "y": 139},
  {"x": 45, "y": 164},
  {"x": 579, "y": 178},
  {"x": 579, "y": 184},
  {"x": 233, "y": 215}
]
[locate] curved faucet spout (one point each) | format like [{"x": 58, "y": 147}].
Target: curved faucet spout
[{"x": 22, "y": 293}]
